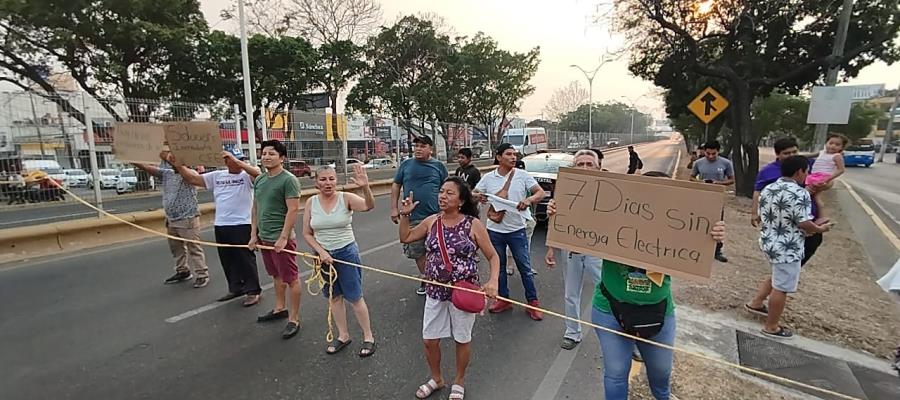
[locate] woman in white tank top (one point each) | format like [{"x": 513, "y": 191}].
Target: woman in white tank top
[{"x": 327, "y": 229}]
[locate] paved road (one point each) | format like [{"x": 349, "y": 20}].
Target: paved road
[
  {"x": 94, "y": 326},
  {"x": 43, "y": 213},
  {"x": 879, "y": 187}
]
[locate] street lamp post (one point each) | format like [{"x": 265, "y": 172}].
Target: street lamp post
[
  {"x": 632, "y": 104},
  {"x": 590, "y": 79}
]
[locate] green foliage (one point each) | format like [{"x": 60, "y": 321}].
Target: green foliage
[
  {"x": 611, "y": 117},
  {"x": 863, "y": 118}
]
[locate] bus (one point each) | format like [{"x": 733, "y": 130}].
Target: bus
[
  {"x": 861, "y": 152},
  {"x": 526, "y": 140}
]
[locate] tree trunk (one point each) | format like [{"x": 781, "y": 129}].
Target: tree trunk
[{"x": 745, "y": 153}]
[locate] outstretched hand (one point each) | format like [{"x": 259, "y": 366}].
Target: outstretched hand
[
  {"x": 408, "y": 205},
  {"x": 360, "y": 177}
]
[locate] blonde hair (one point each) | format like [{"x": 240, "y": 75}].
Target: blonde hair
[{"x": 324, "y": 168}]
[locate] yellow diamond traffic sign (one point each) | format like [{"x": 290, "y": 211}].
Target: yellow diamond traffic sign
[{"x": 708, "y": 105}]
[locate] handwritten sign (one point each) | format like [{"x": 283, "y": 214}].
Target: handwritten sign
[
  {"x": 136, "y": 142},
  {"x": 195, "y": 142},
  {"x": 657, "y": 224}
]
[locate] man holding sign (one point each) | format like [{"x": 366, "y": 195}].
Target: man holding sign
[
  {"x": 508, "y": 191},
  {"x": 636, "y": 301}
]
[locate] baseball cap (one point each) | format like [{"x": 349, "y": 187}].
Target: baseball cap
[
  {"x": 424, "y": 140},
  {"x": 237, "y": 153}
]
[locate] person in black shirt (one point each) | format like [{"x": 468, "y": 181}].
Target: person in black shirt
[
  {"x": 466, "y": 170},
  {"x": 634, "y": 162}
]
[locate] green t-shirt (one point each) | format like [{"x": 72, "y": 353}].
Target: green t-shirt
[
  {"x": 631, "y": 287},
  {"x": 271, "y": 207}
]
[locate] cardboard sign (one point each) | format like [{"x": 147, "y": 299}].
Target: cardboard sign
[
  {"x": 137, "y": 142},
  {"x": 195, "y": 142},
  {"x": 657, "y": 224}
]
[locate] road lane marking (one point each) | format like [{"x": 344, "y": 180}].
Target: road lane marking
[
  {"x": 885, "y": 211},
  {"x": 212, "y": 306},
  {"x": 875, "y": 218},
  {"x": 549, "y": 387}
]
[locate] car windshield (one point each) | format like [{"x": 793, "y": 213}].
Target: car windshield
[
  {"x": 127, "y": 172},
  {"x": 74, "y": 172},
  {"x": 514, "y": 140},
  {"x": 546, "y": 165},
  {"x": 108, "y": 173},
  {"x": 861, "y": 147},
  {"x": 53, "y": 171}
]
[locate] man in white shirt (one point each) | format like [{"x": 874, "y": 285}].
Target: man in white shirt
[
  {"x": 233, "y": 193},
  {"x": 507, "y": 228}
]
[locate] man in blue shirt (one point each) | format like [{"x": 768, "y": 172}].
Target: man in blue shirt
[{"x": 423, "y": 176}]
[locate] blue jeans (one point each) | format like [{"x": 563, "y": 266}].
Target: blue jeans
[
  {"x": 576, "y": 266},
  {"x": 518, "y": 246},
  {"x": 617, "y": 357},
  {"x": 348, "y": 282}
]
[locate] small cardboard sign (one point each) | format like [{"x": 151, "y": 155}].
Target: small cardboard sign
[
  {"x": 657, "y": 224},
  {"x": 138, "y": 142},
  {"x": 195, "y": 142}
]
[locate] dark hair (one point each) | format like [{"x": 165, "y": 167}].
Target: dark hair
[
  {"x": 792, "y": 164},
  {"x": 275, "y": 145},
  {"x": 468, "y": 206},
  {"x": 630, "y": 147},
  {"x": 844, "y": 139},
  {"x": 466, "y": 152},
  {"x": 656, "y": 174},
  {"x": 599, "y": 153},
  {"x": 503, "y": 147},
  {"x": 784, "y": 144},
  {"x": 713, "y": 145}
]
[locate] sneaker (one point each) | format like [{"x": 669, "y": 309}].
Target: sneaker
[
  {"x": 534, "y": 314},
  {"x": 500, "y": 306},
  {"x": 510, "y": 271},
  {"x": 228, "y": 296},
  {"x": 568, "y": 343},
  {"x": 721, "y": 258},
  {"x": 201, "y": 282},
  {"x": 178, "y": 277},
  {"x": 421, "y": 289}
]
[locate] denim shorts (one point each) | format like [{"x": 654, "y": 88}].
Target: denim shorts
[
  {"x": 349, "y": 278},
  {"x": 786, "y": 276}
]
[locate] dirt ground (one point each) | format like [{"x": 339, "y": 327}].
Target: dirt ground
[
  {"x": 696, "y": 379},
  {"x": 838, "y": 300}
]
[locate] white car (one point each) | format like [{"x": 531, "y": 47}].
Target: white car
[
  {"x": 350, "y": 162},
  {"x": 108, "y": 179},
  {"x": 76, "y": 177},
  {"x": 612, "y": 142},
  {"x": 127, "y": 181},
  {"x": 380, "y": 163}
]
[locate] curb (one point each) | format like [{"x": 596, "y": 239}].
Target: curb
[{"x": 875, "y": 218}]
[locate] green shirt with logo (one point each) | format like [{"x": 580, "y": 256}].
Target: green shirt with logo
[
  {"x": 631, "y": 285},
  {"x": 271, "y": 193}
]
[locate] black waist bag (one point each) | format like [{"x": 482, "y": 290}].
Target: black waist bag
[{"x": 644, "y": 321}]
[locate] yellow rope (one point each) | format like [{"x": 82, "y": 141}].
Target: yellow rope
[{"x": 316, "y": 278}]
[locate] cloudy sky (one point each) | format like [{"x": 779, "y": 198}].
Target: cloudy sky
[{"x": 565, "y": 34}]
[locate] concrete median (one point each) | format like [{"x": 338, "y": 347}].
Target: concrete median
[{"x": 43, "y": 240}]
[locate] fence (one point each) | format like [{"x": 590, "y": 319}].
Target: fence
[{"x": 40, "y": 132}]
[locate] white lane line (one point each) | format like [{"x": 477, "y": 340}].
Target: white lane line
[
  {"x": 549, "y": 387},
  {"x": 49, "y": 218},
  {"x": 212, "y": 306},
  {"x": 885, "y": 211},
  {"x": 888, "y": 234}
]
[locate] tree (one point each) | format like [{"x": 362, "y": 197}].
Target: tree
[
  {"x": 611, "y": 118},
  {"x": 863, "y": 118},
  {"x": 754, "y": 47},
  {"x": 110, "y": 47},
  {"x": 566, "y": 99}
]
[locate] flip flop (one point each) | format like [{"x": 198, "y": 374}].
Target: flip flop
[
  {"x": 457, "y": 392},
  {"x": 782, "y": 333},
  {"x": 338, "y": 346},
  {"x": 762, "y": 311},
  {"x": 427, "y": 389},
  {"x": 369, "y": 347}
]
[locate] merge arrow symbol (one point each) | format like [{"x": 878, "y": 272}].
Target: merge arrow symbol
[{"x": 708, "y": 99}]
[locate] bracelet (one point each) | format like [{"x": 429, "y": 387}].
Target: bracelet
[{"x": 405, "y": 215}]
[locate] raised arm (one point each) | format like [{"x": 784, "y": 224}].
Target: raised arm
[
  {"x": 191, "y": 176},
  {"x": 150, "y": 169},
  {"x": 365, "y": 202},
  {"x": 247, "y": 167},
  {"x": 406, "y": 234}
]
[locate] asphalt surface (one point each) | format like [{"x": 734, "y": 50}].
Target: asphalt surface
[
  {"x": 879, "y": 188},
  {"x": 101, "y": 325},
  {"x": 44, "y": 213}
]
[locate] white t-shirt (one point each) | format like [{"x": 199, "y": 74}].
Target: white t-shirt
[
  {"x": 233, "y": 194},
  {"x": 492, "y": 182}
]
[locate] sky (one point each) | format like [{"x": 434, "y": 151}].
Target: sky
[{"x": 566, "y": 35}]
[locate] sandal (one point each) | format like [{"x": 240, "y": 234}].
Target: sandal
[
  {"x": 762, "y": 311},
  {"x": 336, "y": 346},
  {"x": 457, "y": 392},
  {"x": 367, "y": 349},
  {"x": 428, "y": 389},
  {"x": 781, "y": 333}
]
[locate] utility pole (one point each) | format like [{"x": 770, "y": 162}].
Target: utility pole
[
  {"x": 831, "y": 77},
  {"x": 889, "y": 130},
  {"x": 248, "y": 96}
]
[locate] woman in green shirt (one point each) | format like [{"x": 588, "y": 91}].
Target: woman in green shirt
[{"x": 641, "y": 300}]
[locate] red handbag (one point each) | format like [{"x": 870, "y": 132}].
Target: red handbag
[{"x": 462, "y": 299}]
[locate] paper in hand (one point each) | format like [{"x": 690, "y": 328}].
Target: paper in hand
[{"x": 501, "y": 204}]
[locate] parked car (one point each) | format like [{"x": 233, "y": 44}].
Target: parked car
[
  {"x": 380, "y": 163},
  {"x": 544, "y": 168},
  {"x": 127, "y": 181},
  {"x": 299, "y": 168},
  {"x": 350, "y": 162},
  {"x": 862, "y": 152},
  {"x": 108, "y": 178},
  {"x": 76, "y": 177},
  {"x": 612, "y": 142}
]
